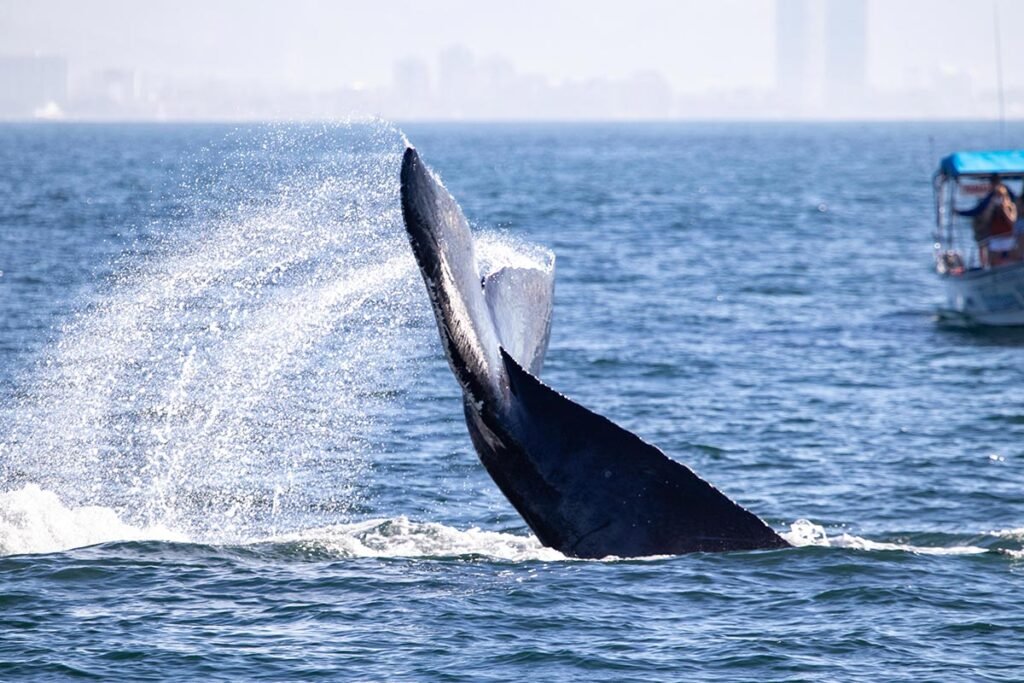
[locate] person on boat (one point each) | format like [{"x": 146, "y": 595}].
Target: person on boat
[
  {"x": 992, "y": 220},
  {"x": 1018, "y": 229},
  {"x": 1002, "y": 245},
  {"x": 996, "y": 186}
]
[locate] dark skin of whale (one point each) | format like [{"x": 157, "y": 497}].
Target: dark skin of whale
[{"x": 584, "y": 485}]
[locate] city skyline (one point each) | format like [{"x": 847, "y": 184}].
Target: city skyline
[{"x": 823, "y": 65}]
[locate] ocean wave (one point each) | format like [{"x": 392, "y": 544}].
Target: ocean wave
[
  {"x": 1015, "y": 534},
  {"x": 33, "y": 520},
  {"x": 803, "y": 533},
  {"x": 400, "y": 537}
]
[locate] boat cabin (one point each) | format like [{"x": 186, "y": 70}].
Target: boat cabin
[{"x": 979, "y": 211}]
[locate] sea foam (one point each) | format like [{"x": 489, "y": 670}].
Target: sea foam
[
  {"x": 803, "y": 533},
  {"x": 33, "y": 520}
]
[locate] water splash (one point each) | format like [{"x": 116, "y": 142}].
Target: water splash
[
  {"x": 804, "y": 533},
  {"x": 401, "y": 538},
  {"x": 496, "y": 250},
  {"x": 225, "y": 380},
  {"x": 35, "y": 521}
]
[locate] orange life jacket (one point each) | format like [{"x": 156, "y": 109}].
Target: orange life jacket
[{"x": 1001, "y": 223}]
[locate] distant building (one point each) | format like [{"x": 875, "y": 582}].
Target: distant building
[
  {"x": 821, "y": 57},
  {"x": 846, "y": 54},
  {"x": 119, "y": 86},
  {"x": 458, "y": 82},
  {"x": 799, "y": 56},
  {"x": 32, "y": 86},
  {"x": 792, "y": 51},
  {"x": 412, "y": 89},
  {"x": 108, "y": 93}
]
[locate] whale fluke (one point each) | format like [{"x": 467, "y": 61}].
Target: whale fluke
[
  {"x": 520, "y": 301},
  {"x": 584, "y": 485}
]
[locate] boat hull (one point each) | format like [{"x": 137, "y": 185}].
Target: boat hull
[{"x": 993, "y": 297}]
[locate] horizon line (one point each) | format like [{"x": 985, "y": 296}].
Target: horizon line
[{"x": 498, "y": 121}]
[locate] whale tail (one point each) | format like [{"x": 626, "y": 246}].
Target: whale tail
[
  {"x": 584, "y": 485},
  {"x": 618, "y": 494}
]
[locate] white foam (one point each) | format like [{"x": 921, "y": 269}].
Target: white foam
[
  {"x": 495, "y": 251},
  {"x": 400, "y": 537},
  {"x": 1015, "y": 534},
  {"x": 804, "y": 533},
  {"x": 33, "y": 520}
]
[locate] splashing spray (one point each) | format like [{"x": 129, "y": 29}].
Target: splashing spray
[{"x": 224, "y": 382}]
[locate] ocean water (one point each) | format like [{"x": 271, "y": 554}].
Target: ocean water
[{"x": 231, "y": 449}]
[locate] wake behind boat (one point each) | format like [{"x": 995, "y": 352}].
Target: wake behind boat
[{"x": 979, "y": 237}]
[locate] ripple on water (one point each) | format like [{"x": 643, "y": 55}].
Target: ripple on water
[{"x": 250, "y": 427}]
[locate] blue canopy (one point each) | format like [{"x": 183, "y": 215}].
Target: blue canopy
[{"x": 1009, "y": 162}]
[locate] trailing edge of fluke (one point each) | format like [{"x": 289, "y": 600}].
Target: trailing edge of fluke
[{"x": 584, "y": 485}]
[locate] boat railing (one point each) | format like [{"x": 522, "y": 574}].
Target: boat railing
[
  {"x": 986, "y": 254},
  {"x": 1002, "y": 250}
]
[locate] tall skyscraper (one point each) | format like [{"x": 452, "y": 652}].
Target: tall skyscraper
[
  {"x": 845, "y": 54},
  {"x": 792, "y": 43}
]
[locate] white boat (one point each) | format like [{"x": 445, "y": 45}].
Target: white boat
[{"x": 983, "y": 273}]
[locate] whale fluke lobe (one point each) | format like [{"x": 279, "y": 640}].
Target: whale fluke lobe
[
  {"x": 520, "y": 301},
  {"x": 584, "y": 485}
]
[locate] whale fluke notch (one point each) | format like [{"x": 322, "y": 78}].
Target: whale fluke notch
[
  {"x": 584, "y": 485},
  {"x": 520, "y": 301}
]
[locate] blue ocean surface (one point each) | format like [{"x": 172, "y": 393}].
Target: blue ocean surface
[{"x": 231, "y": 447}]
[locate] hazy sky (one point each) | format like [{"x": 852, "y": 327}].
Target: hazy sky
[{"x": 695, "y": 44}]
